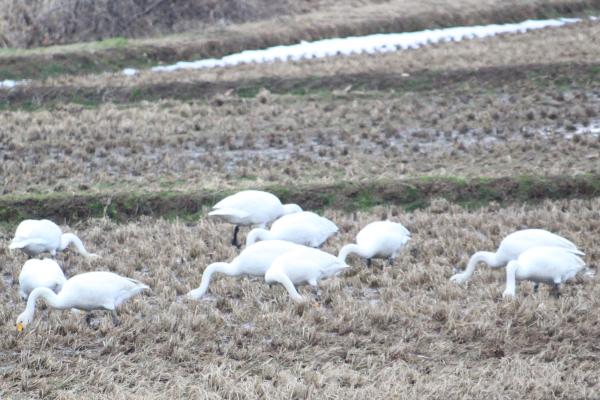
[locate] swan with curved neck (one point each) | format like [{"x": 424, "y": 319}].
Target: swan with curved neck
[
  {"x": 303, "y": 266},
  {"x": 38, "y": 236},
  {"x": 251, "y": 207},
  {"x": 380, "y": 239},
  {"x": 306, "y": 228},
  {"x": 88, "y": 291},
  {"x": 550, "y": 265},
  {"x": 40, "y": 273},
  {"x": 254, "y": 260},
  {"x": 511, "y": 247}
]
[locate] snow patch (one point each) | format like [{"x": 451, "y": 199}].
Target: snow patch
[{"x": 378, "y": 43}]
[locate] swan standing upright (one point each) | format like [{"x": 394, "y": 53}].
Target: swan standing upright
[
  {"x": 89, "y": 291},
  {"x": 254, "y": 260},
  {"x": 306, "y": 228},
  {"x": 38, "y": 236},
  {"x": 511, "y": 247},
  {"x": 40, "y": 273},
  {"x": 380, "y": 239},
  {"x": 251, "y": 207},
  {"x": 306, "y": 265},
  {"x": 550, "y": 265}
]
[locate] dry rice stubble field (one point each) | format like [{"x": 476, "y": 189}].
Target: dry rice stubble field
[{"x": 404, "y": 331}]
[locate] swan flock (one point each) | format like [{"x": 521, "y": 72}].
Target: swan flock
[{"x": 286, "y": 254}]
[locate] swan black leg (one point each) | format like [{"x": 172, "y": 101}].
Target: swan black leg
[
  {"x": 536, "y": 287},
  {"x": 115, "y": 319},
  {"x": 88, "y": 319},
  {"x": 234, "y": 241},
  {"x": 391, "y": 261},
  {"x": 368, "y": 262},
  {"x": 557, "y": 290}
]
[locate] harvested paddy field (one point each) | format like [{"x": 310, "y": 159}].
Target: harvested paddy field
[
  {"x": 462, "y": 142},
  {"x": 403, "y": 331}
]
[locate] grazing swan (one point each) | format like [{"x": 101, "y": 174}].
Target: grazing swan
[
  {"x": 40, "y": 273},
  {"x": 306, "y": 265},
  {"x": 550, "y": 265},
  {"x": 306, "y": 228},
  {"x": 89, "y": 291},
  {"x": 254, "y": 260},
  {"x": 380, "y": 239},
  {"x": 251, "y": 207},
  {"x": 35, "y": 236},
  {"x": 511, "y": 247}
]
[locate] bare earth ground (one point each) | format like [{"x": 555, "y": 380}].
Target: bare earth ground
[
  {"x": 500, "y": 108},
  {"x": 401, "y": 332}
]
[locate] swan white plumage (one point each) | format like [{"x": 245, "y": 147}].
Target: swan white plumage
[
  {"x": 511, "y": 247},
  {"x": 306, "y": 228},
  {"x": 380, "y": 239},
  {"x": 40, "y": 273},
  {"x": 306, "y": 265},
  {"x": 38, "y": 236},
  {"x": 550, "y": 265},
  {"x": 254, "y": 260},
  {"x": 89, "y": 291},
  {"x": 251, "y": 207}
]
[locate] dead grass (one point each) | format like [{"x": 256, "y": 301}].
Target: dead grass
[
  {"x": 403, "y": 332},
  {"x": 520, "y": 129},
  {"x": 309, "y": 21},
  {"x": 574, "y": 44}
]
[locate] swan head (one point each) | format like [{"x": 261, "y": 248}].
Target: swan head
[
  {"x": 459, "y": 278},
  {"x": 195, "y": 294},
  {"x": 23, "y": 320},
  {"x": 291, "y": 209}
]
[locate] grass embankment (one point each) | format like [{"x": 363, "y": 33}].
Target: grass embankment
[
  {"x": 562, "y": 76},
  {"x": 347, "y": 196},
  {"x": 346, "y": 20}
]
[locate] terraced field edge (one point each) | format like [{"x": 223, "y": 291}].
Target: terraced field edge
[
  {"x": 409, "y": 194},
  {"x": 114, "y": 55}
]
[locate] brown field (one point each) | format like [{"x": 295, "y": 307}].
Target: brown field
[
  {"x": 400, "y": 332},
  {"x": 500, "y": 122}
]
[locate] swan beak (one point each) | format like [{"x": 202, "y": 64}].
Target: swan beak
[{"x": 20, "y": 327}]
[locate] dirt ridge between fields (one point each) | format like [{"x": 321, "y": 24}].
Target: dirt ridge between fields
[
  {"x": 228, "y": 41},
  {"x": 32, "y": 97},
  {"x": 349, "y": 196}
]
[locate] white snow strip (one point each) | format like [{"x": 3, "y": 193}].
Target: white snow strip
[
  {"x": 379, "y": 43},
  {"x": 8, "y": 84},
  {"x": 129, "y": 71}
]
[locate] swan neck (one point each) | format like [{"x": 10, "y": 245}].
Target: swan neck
[
  {"x": 353, "y": 248},
  {"x": 222, "y": 267},
  {"x": 511, "y": 277},
  {"x": 67, "y": 238},
  {"x": 486, "y": 257},
  {"x": 256, "y": 235},
  {"x": 51, "y": 298},
  {"x": 291, "y": 289}
]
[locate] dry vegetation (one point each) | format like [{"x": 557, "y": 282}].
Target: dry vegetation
[
  {"x": 529, "y": 129},
  {"x": 43, "y": 23},
  {"x": 574, "y": 44},
  {"x": 504, "y": 107},
  {"x": 401, "y": 332}
]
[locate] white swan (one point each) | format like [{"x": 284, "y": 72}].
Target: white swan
[
  {"x": 40, "y": 273},
  {"x": 306, "y": 265},
  {"x": 380, "y": 239},
  {"x": 89, "y": 291},
  {"x": 304, "y": 227},
  {"x": 251, "y": 207},
  {"x": 254, "y": 260},
  {"x": 550, "y": 265},
  {"x": 38, "y": 236},
  {"x": 511, "y": 247}
]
